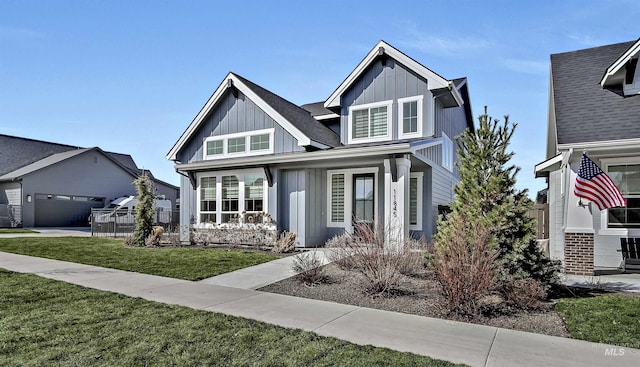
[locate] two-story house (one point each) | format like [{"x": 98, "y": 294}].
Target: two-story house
[
  {"x": 594, "y": 107},
  {"x": 379, "y": 150}
]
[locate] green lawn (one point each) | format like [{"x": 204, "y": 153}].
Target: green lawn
[
  {"x": 182, "y": 263},
  {"x": 16, "y": 230},
  {"x": 610, "y": 319},
  {"x": 44, "y": 322}
]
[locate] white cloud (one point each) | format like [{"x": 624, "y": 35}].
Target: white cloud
[
  {"x": 19, "y": 34},
  {"x": 527, "y": 66},
  {"x": 435, "y": 44}
]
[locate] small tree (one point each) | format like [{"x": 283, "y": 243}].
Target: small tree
[
  {"x": 486, "y": 192},
  {"x": 144, "y": 209}
]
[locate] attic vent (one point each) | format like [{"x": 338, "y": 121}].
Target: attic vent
[{"x": 630, "y": 71}]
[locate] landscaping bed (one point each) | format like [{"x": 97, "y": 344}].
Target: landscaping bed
[{"x": 419, "y": 295}]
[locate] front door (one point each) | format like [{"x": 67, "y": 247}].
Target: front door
[{"x": 364, "y": 198}]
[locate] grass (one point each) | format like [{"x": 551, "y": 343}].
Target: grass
[
  {"x": 610, "y": 319},
  {"x": 182, "y": 263},
  {"x": 45, "y": 322},
  {"x": 16, "y": 230}
]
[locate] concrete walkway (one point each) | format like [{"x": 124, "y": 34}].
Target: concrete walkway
[
  {"x": 471, "y": 344},
  {"x": 52, "y": 232},
  {"x": 258, "y": 276},
  {"x": 615, "y": 282}
]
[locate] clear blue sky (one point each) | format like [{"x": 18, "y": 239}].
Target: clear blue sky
[{"x": 129, "y": 76}]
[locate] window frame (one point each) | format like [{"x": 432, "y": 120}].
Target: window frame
[
  {"x": 605, "y": 229},
  {"x": 419, "y": 198},
  {"x": 368, "y": 107},
  {"x": 401, "y": 102},
  {"x": 348, "y": 195},
  {"x": 247, "y": 144},
  {"x": 447, "y": 152},
  {"x": 240, "y": 175}
]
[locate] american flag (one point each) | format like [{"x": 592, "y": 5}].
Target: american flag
[{"x": 596, "y": 186}]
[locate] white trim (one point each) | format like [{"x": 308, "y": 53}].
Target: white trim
[
  {"x": 603, "y": 145},
  {"x": 240, "y": 174},
  {"x": 434, "y": 81},
  {"x": 327, "y": 116},
  {"x": 420, "y": 122},
  {"x": 247, "y": 144},
  {"x": 620, "y": 62},
  {"x": 368, "y": 106},
  {"x": 419, "y": 176},
  {"x": 303, "y": 140},
  {"x": 361, "y": 152},
  {"x": 348, "y": 195}
]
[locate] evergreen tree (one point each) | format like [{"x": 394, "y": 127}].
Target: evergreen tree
[
  {"x": 487, "y": 191},
  {"x": 144, "y": 209}
]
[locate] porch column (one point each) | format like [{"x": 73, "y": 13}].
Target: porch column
[{"x": 396, "y": 201}]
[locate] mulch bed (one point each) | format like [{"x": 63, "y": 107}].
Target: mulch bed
[{"x": 418, "y": 295}]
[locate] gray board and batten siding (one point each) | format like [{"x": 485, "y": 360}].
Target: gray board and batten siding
[
  {"x": 383, "y": 83},
  {"x": 236, "y": 115}
]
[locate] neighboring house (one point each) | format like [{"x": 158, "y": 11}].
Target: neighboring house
[
  {"x": 45, "y": 184},
  {"x": 379, "y": 150},
  {"x": 594, "y": 106}
]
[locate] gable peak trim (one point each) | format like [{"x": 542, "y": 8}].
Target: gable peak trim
[{"x": 620, "y": 62}]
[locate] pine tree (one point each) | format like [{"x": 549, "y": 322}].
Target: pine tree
[
  {"x": 144, "y": 209},
  {"x": 487, "y": 191}
]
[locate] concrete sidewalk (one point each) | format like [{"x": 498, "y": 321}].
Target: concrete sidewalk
[
  {"x": 52, "y": 232},
  {"x": 258, "y": 276},
  {"x": 471, "y": 344}
]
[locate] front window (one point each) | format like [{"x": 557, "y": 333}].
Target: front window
[
  {"x": 236, "y": 145},
  {"x": 410, "y": 117},
  {"x": 253, "y": 193},
  {"x": 208, "y": 199},
  {"x": 215, "y": 147},
  {"x": 337, "y": 198},
  {"x": 627, "y": 178},
  {"x": 369, "y": 123},
  {"x": 447, "y": 152},
  {"x": 415, "y": 201},
  {"x": 230, "y": 198}
]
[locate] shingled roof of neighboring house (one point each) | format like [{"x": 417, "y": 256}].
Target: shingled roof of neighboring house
[
  {"x": 20, "y": 156},
  {"x": 296, "y": 115},
  {"x": 16, "y": 152},
  {"x": 584, "y": 111}
]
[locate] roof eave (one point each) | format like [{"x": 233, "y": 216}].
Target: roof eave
[{"x": 620, "y": 62}]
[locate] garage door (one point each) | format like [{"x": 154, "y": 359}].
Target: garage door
[{"x": 53, "y": 210}]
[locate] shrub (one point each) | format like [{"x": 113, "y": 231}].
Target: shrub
[
  {"x": 464, "y": 264},
  {"x": 526, "y": 293},
  {"x": 155, "y": 237},
  {"x": 286, "y": 243},
  {"x": 364, "y": 251},
  {"x": 339, "y": 252},
  {"x": 308, "y": 267}
]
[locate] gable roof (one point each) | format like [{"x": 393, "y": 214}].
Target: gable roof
[
  {"x": 21, "y": 156},
  {"x": 16, "y": 152},
  {"x": 436, "y": 83},
  {"x": 609, "y": 77},
  {"x": 292, "y": 118},
  {"x": 584, "y": 111}
]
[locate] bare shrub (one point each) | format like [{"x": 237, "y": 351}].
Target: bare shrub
[
  {"x": 414, "y": 260},
  {"x": 527, "y": 293},
  {"x": 128, "y": 241},
  {"x": 365, "y": 252},
  {"x": 286, "y": 243},
  {"x": 339, "y": 252},
  {"x": 155, "y": 237},
  {"x": 308, "y": 267},
  {"x": 464, "y": 264}
]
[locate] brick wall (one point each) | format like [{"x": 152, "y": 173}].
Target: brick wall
[{"x": 578, "y": 253}]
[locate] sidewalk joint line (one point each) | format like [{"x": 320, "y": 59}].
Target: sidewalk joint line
[
  {"x": 486, "y": 361},
  {"x": 336, "y": 318}
]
